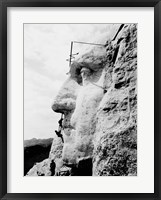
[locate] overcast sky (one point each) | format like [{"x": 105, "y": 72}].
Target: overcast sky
[{"x": 46, "y": 48}]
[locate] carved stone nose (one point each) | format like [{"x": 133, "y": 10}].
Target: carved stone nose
[{"x": 65, "y": 100}]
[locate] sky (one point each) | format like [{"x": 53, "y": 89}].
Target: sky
[{"x": 46, "y": 48}]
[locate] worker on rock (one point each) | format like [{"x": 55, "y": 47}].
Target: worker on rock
[
  {"x": 58, "y": 133},
  {"x": 60, "y": 122}
]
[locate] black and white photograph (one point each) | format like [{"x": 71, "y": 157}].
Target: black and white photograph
[{"x": 80, "y": 99}]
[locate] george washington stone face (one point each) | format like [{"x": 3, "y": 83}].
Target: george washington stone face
[
  {"x": 79, "y": 99},
  {"x": 99, "y": 103}
]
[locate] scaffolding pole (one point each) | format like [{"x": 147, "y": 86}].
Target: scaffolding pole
[{"x": 88, "y": 43}]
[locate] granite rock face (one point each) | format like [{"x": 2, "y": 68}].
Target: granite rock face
[
  {"x": 115, "y": 151},
  {"x": 99, "y": 105}
]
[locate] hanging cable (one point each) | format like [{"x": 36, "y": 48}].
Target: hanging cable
[{"x": 104, "y": 88}]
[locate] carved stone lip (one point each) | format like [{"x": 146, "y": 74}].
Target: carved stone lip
[
  {"x": 60, "y": 109},
  {"x": 63, "y": 106}
]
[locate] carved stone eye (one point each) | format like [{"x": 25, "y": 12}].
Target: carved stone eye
[{"x": 85, "y": 72}]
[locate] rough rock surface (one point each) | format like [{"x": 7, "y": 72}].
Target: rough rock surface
[
  {"x": 99, "y": 103},
  {"x": 115, "y": 152},
  {"x": 35, "y": 151}
]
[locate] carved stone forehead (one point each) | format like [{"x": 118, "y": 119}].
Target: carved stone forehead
[{"x": 93, "y": 59}]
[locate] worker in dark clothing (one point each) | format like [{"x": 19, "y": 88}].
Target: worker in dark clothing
[
  {"x": 60, "y": 122},
  {"x": 52, "y": 168},
  {"x": 59, "y": 135}
]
